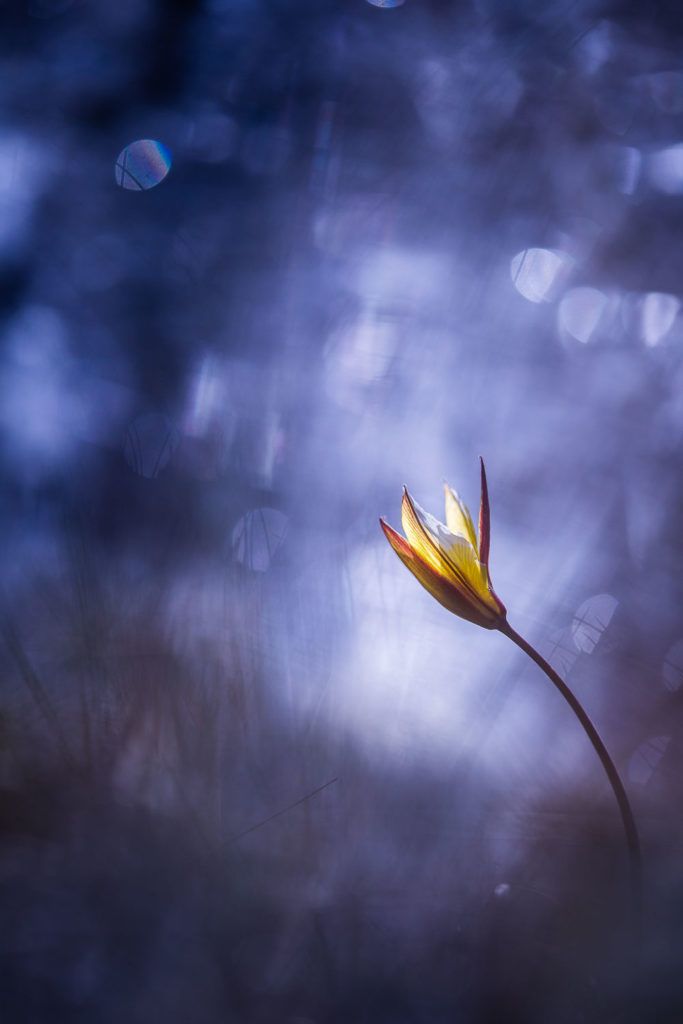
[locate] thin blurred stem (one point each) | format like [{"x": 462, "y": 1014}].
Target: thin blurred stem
[{"x": 632, "y": 839}]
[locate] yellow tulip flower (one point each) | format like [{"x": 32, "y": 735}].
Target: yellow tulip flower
[
  {"x": 452, "y": 563},
  {"x": 449, "y": 560}
]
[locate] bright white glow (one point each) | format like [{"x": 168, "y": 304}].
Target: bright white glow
[
  {"x": 591, "y": 619},
  {"x": 24, "y": 169},
  {"x": 401, "y": 278},
  {"x": 209, "y": 420},
  {"x": 403, "y": 685},
  {"x": 672, "y": 668},
  {"x": 665, "y": 169},
  {"x": 207, "y": 397},
  {"x": 536, "y": 273},
  {"x": 581, "y": 311},
  {"x": 657, "y": 316},
  {"x": 630, "y": 164},
  {"x": 372, "y": 346},
  {"x": 359, "y": 356},
  {"x": 645, "y": 760}
]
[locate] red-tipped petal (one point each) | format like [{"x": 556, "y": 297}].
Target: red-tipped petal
[
  {"x": 484, "y": 519},
  {"x": 438, "y": 585}
]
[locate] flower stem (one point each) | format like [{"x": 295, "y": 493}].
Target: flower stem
[{"x": 632, "y": 840}]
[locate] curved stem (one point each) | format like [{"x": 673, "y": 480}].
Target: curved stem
[{"x": 632, "y": 840}]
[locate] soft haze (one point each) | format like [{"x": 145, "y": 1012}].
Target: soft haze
[{"x": 261, "y": 264}]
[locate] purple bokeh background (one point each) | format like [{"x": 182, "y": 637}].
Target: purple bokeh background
[{"x": 249, "y": 771}]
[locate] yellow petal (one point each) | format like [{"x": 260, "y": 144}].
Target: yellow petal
[
  {"x": 446, "y": 592},
  {"x": 448, "y": 553},
  {"x": 458, "y": 518},
  {"x": 419, "y": 538}
]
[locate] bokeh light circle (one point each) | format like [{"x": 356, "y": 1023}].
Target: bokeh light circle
[
  {"x": 257, "y": 536},
  {"x": 142, "y": 165},
  {"x": 658, "y": 313},
  {"x": 580, "y": 312},
  {"x": 591, "y": 620},
  {"x": 537, "y": 273}
]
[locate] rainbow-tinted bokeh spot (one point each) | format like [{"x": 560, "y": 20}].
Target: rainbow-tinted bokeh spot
[{"x": 142, "y": 164}]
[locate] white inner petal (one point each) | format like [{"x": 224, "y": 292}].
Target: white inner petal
[{"x": 457, "y": 547}]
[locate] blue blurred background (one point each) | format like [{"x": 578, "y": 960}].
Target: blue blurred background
[{"x": 262, "y": 262}]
